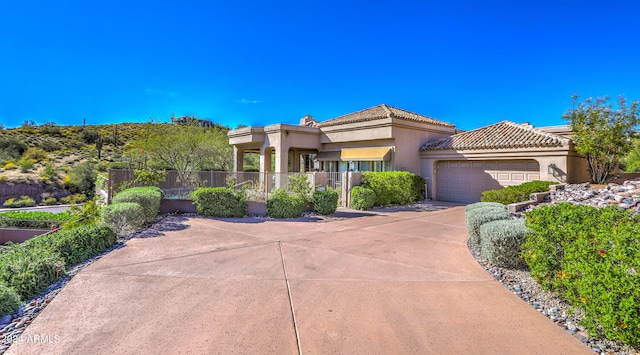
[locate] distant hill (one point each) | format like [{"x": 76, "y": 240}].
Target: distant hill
[{"x": 46, "y": 155}]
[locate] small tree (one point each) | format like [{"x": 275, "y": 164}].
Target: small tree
[
  {"x": 632, "y": 160},
  {"x": 602, "y": 132},
  {"x": 187, "y": 148}
]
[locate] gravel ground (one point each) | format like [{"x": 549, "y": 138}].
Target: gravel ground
[{"x": 551, "y": 305}]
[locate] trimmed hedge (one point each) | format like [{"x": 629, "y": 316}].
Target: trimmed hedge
[
  {"x": 29, "y": 268},
  {"x": 33, "y": 219},
  {"x": 325, "y": 202},
  {"x": 148, "y": 197},
  {"x": 500, "y": 242},
  {"x": 123, "y": 217},
  {"x": 476, "y": 205},
  {"x": 592, "y": 258},
  {"x": 77, "y": 244},
  {"x": 362, "y": 198},
  {"x": 394, "y": 187},
  {"x": 479, "y": 216},
  {"x": 281, "y": 205},
  {"x": 9, "y": 300},
  {"x": 23, "y": 201},
  {"x": 514, "y": 194},
  {"x": 218, "y": 202}
]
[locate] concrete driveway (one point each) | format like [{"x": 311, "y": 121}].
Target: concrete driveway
[{"x": 378, "y": 283}]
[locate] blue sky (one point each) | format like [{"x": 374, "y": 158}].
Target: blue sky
[{"x": 257, "y": 62}]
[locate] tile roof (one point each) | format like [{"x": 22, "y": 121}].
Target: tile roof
[
  {"x": 501, "y": 135},
  {"x": 378, "y": 112}
]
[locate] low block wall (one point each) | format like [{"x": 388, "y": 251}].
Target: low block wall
[
  {"x": 19, "y": 235},
  {"x": 171, "y": 205},
  {"x": 257, "y": 208}
]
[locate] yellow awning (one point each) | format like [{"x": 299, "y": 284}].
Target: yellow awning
[{"x": 365, "y": 154}]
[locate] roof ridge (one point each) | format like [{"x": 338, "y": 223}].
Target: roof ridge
[
  {"x": 388, "y": 110},
  {"x": 379, "y": 112},
  {"x": 535, "y": 130}
]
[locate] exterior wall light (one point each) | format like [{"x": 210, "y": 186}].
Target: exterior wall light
[{"x": 552, "y": 169}]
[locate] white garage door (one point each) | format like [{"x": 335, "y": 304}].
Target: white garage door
[{"x": 464, "y": 181}]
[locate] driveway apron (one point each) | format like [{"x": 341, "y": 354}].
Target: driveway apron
[{"x": 378, "y": 283}]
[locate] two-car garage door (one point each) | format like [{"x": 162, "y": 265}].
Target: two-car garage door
[{"x": 464, "y": 181}]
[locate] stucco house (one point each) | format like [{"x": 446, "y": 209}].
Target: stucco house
[{"x": 457, "y": 166}]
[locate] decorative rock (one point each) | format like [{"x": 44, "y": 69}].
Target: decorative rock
[{"x": 5, "y": 320}]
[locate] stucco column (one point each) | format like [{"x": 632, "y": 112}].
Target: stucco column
[
  {"x": 296, "y": 161},
  {"x": 238, "y": 159},
  {"x": 265, "y": 159},
  {"x": 282, "y": 166},
  {"x": 282, "y": 160}
]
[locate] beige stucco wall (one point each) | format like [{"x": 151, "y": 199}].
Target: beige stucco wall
[
  {"x": 408, "y": 140},
  {"x": 353, "y": 132},
  {"x": 405, "y": 137}
]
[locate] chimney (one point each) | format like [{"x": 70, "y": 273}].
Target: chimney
[
  {"x": 527, "y": 124},
  {"x": 307, "y": 121}
]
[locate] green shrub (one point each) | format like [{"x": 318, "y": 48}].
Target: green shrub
[
  {"x": 9, "y": 300},
  {"x": 50, "y": 145},
  {"x": 35, "y": 154},
  {"x": 592, "y": 257},
  {"x": 33, "y": 219},
  {"x": 25, "y": 164},
  {"x": 552, "y": 227},
  {"x": 24, "y": 201},
  {"x": 394, "y": 187},
  {"x": 81, "y": 178},
  {"x": 123, "y": 217},
  {"x": 86, "y": 214},
  {"x": 514, "y": 194},
  {"x": 28, "y": 270},
  {"x": 300, "y": 187},
  {"x": 479, "y": 216},
  {"x": 419, "y": 188},
  {"x": 150, "y": 177},
  {"x": 73, "y": 199},
  {"x": 50, "y": 172},
  {"x": 13, "y": 147},
  {"x": 281, "y": 205},
  {"x": 148, "y": 197},
  {"x": 476, "y": 205},
  {"x": 325, "y": 202},
  {"x": 49, "y": 201},
  {"x": 77, "y": 244},
  {"x": 500, "y": 242},
  {"x": 362, "y": 198},
  {"x": 218, "y": 202}
]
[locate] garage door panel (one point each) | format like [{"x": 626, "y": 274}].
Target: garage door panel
[{"x": 464, "y": 181}]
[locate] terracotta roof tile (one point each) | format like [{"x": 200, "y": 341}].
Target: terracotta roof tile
[
  {"x": 378, "y": 112},
  {"x": 498, "y": 136}
]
